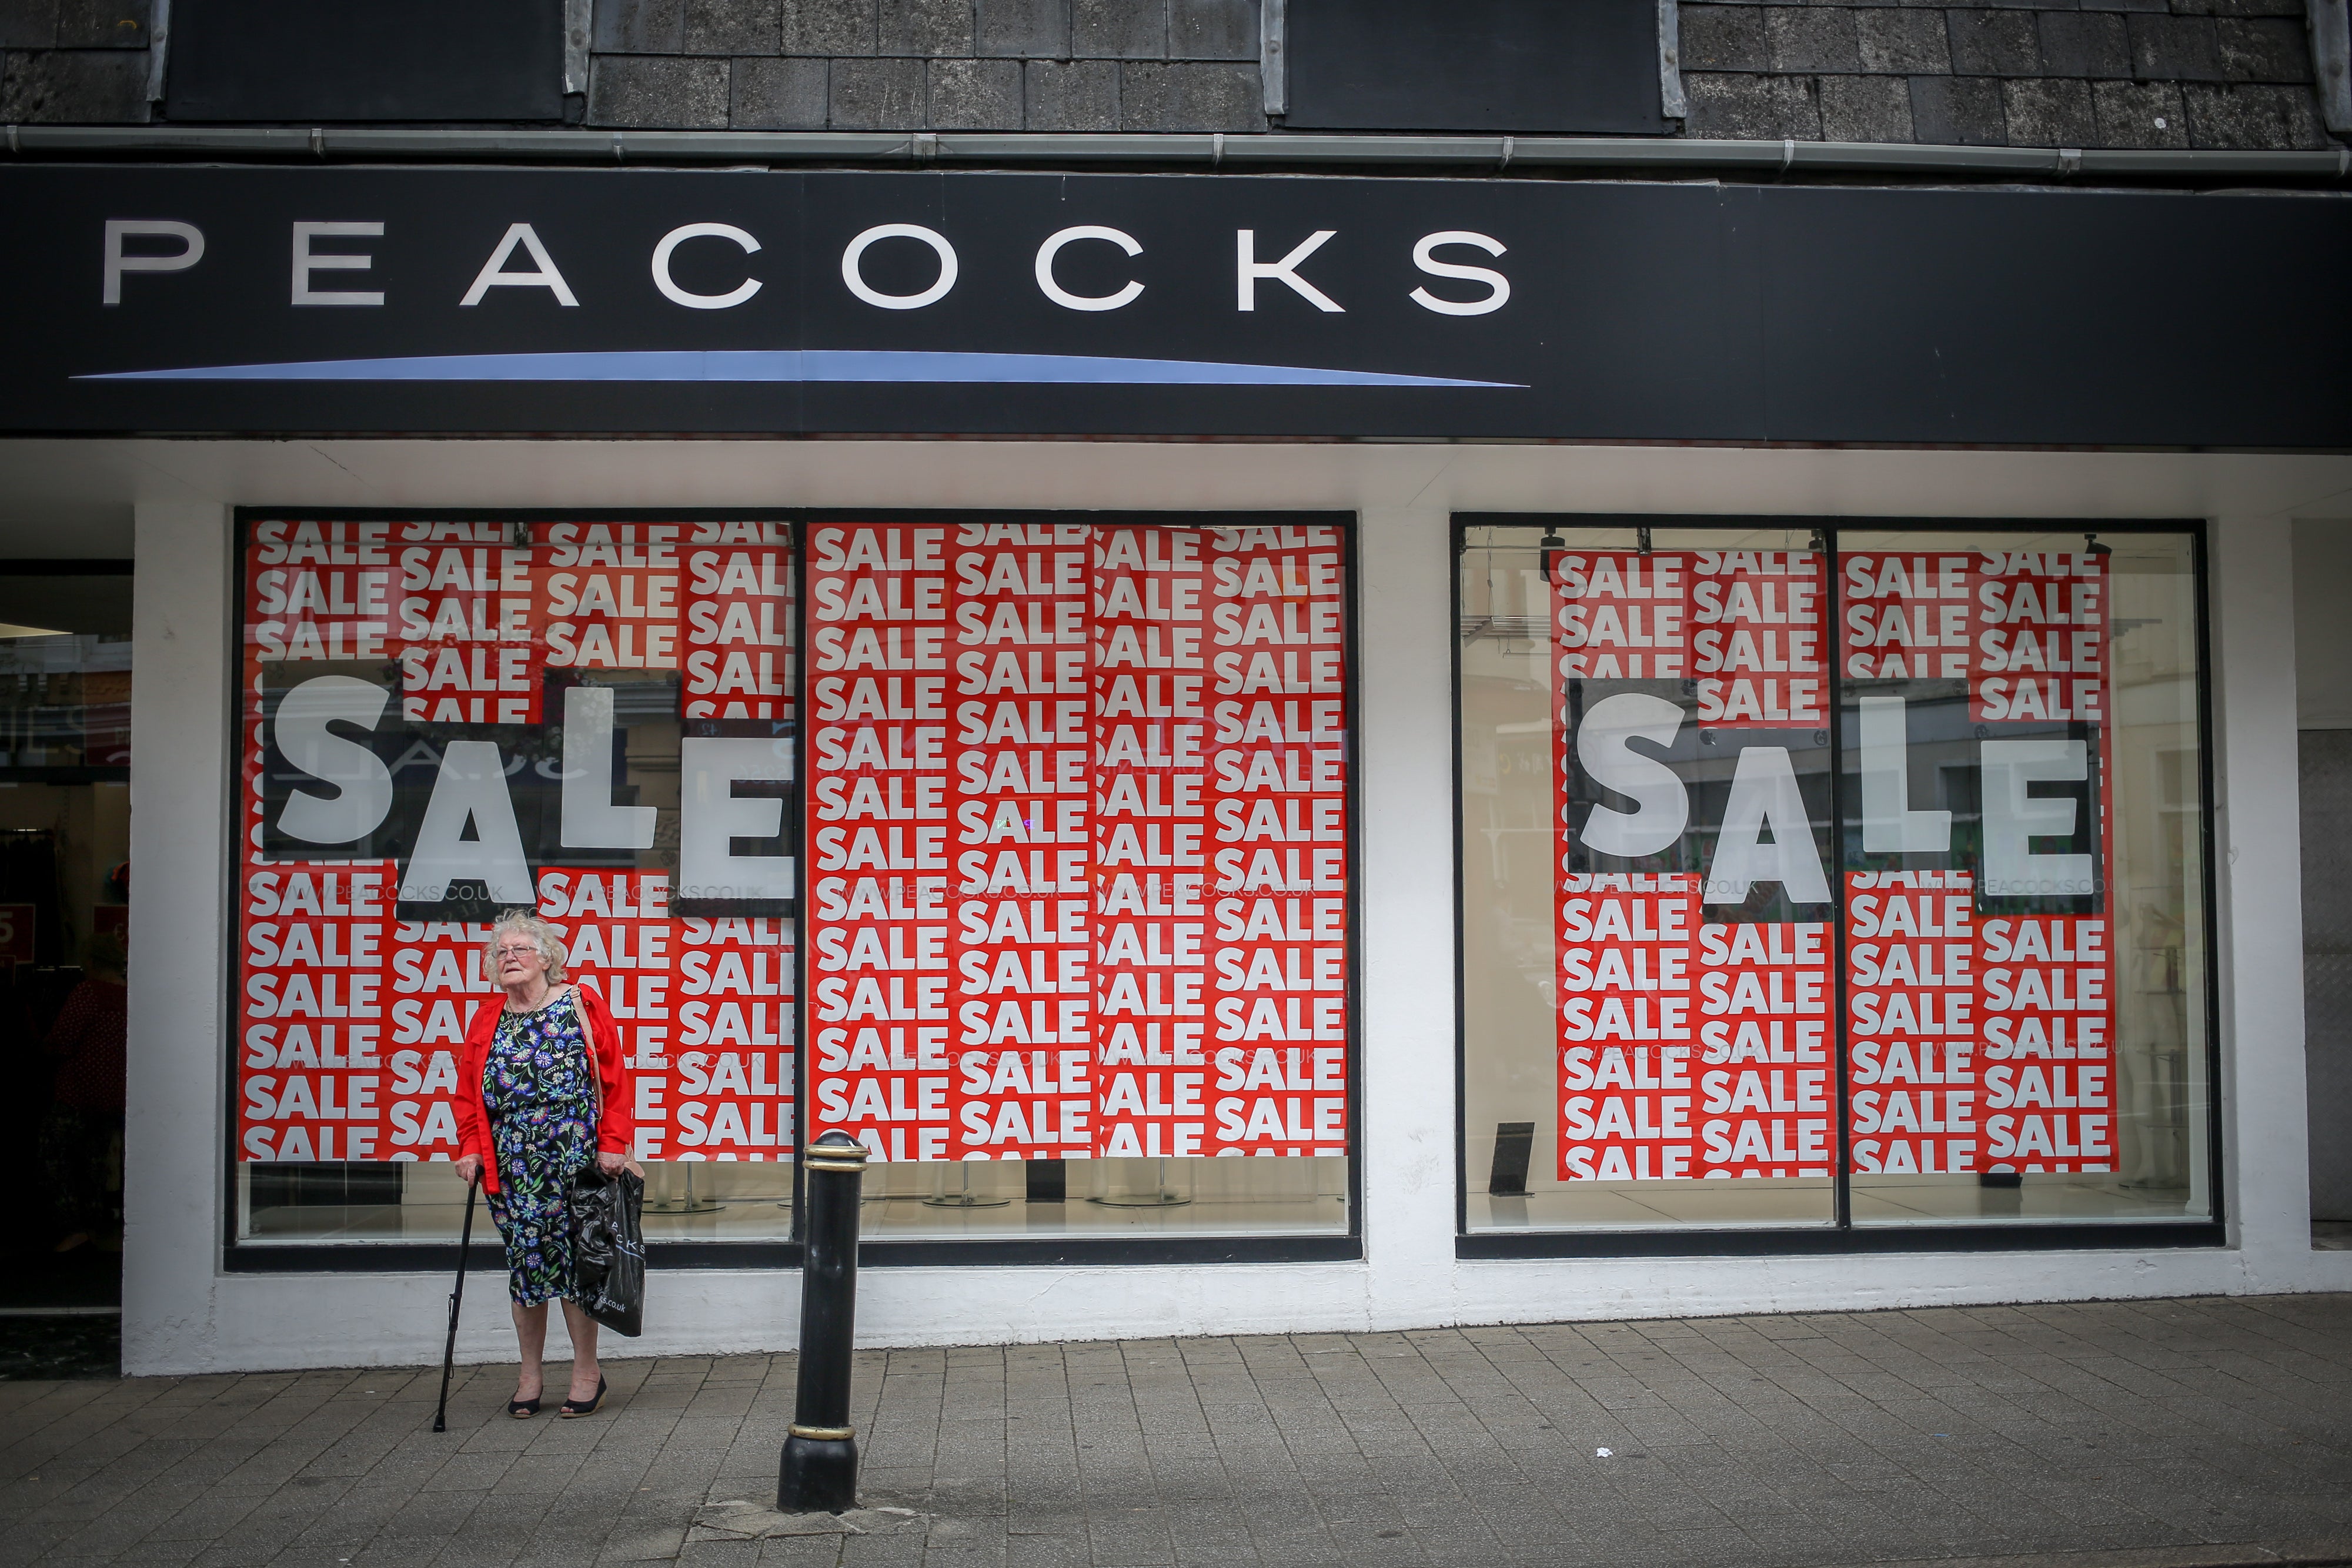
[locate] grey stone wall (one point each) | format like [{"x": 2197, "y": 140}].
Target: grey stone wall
[
  {"x": 2105, "y": 73},
  {"x": 2039, "y": 73},
  {"x": 73, "y": 62},
  {"x": 944, "y": 65}
]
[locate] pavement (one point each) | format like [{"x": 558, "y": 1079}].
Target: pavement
[
  {"x": 2169, "y": 1434},
  {"x": 45, "y": 1347}
]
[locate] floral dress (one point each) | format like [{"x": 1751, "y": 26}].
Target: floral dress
[{"x": 538, "y": 1083}]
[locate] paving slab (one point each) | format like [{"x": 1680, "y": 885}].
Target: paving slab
[{"x": 2181, "y": 1434}]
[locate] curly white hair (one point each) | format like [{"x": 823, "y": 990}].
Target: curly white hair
[{"x": 547, "y": 939}]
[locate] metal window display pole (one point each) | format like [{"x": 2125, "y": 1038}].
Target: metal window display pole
[
  {"x": 963, "y": 1197},
  {"x": 689, "y": 1203},
  {"x": 1161, "y": 1196}
]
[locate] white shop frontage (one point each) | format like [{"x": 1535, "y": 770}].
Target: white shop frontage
[{"x": 1373, "y": 874}]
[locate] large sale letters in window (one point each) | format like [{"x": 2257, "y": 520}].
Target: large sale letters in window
[
  {"x": 1980, "y": 995},
  {"x": 1077, "y": 824},
  {"x": 1695, "y": 991},
  {"x": 443, "y": 719},
  {"x": 1697, "y": 914}
]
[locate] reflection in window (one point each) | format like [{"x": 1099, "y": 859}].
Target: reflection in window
[
  {"x": 1646, "y": 911},
  {"x": 1664, "y": 898},
  {"x": 64, "y": 886},
  {"x": 1075, "y": 864},
  {"x": 1077, "y": 808},
  {"x": 2024, "y": 857}
]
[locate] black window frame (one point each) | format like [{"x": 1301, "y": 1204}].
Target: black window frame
[
  {"x": 1841, "y": 1235},
  {"x": 409, "y": 1257}
]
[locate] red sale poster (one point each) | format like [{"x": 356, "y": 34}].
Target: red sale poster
[
  {"x": 321, "y": 1077},
  {"x": 734, "y": 1057},
  {"x": 1907, "y": 617},
  {"x": 1072, "y": 835},
  {"x": 1276, "y": 841},
  {"x": 618, "y": 939},
  {"x": 2041, "y": 638},
  {"x": 1020, "y": 784},
  {"x": 321, "y": 592},
  {"x": 879, "y": 821},
  {"x": 1152, "y": 906},
  {"x": 2046, "y": 996},
  {"x": 1130, "y": 767},
  {"x": 736, "y": 624},
  {"x": 470, "y": 625},
  {"x": 1619, "y": 617},
  {"x": 1759, "y": 659},
  {"x": 434, "y": 983},
  {"x": 610, "y": 595},
  {"x": 1765, "y": 1062},
  {"x": 314, "y": 1051},
  {"x": 503, "y": 671},
  {"x": 1981, "y": 1002},
  {"x": 1694, "y": 1017},
  {"x": 1628, "y": 1087},
  {"x": 1759, "y": 653},
  {"x": 1913, "y": 1011}
]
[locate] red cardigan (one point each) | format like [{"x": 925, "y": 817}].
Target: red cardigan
[{"x": 613, "y": 1124}]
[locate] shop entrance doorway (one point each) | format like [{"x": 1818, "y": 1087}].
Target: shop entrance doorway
[
  {"x": 65, "y": 846},
  {"x": 2327, "y": 796},
  {"x": 2323, "y": 675}
]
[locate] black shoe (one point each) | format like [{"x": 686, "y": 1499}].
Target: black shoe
[
  {"x": 522, "y": 1409},
  {"x": 574, "y": 1407}
]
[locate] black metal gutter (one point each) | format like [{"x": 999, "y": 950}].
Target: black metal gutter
[{"x": 1602, "y": 155}]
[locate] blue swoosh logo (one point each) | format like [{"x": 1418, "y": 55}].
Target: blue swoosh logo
[{"x": 899, "y": 365}]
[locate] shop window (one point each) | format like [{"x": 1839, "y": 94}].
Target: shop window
[
  {"x": 1071, "y": 812},
  {"x": 1078, "y": 858},
  {"x": 1831, "y": 881}
]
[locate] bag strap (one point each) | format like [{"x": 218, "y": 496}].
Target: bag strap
[
  {"x": 595, "y": 1071},
  {"x": 595, "y": 1079}
]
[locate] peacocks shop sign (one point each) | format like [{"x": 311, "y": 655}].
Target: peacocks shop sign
[{"x": 270, "y": 300}]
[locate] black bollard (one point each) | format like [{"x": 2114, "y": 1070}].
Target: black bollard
[{"x": 819, "y": 1472}]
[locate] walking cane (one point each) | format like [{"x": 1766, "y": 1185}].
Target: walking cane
[{"x": 450, "y": 1352}]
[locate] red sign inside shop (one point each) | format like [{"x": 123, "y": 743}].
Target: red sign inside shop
[
  {"x": 1078, "y": 840},
  {"x": 493, "y": 684},
  {"x": 17, "y": 927}
]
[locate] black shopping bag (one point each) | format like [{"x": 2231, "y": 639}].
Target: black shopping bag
[{"x": 608, "y": 1248}]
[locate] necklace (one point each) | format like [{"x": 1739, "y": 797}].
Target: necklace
[{"x": 553, "y": 994}]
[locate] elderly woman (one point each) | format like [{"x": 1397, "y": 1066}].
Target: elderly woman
[{"x": 541, "y": 1097}]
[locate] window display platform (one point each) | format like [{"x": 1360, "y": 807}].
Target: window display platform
[
  {"x": 1916, "y": 1200},
  {"x": 739, "y": 1202}
]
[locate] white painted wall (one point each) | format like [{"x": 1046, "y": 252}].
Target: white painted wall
[
  {"x": 2323, "y": 633},
  {"x": 181, "y": 1315},
  {"x": 1405, "y": 635},
  {"x": 173, "y": 1132},
  {"x": 2259, "y": 848}
]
